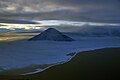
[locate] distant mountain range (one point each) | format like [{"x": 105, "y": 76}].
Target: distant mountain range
[{"x": 99, "y": 31}]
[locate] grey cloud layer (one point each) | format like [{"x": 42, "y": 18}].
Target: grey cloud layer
[{"x": 60, "y": 9}]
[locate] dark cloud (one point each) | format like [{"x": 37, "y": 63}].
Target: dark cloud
[
  {"x": 60, "y": 9},
  {"x": 53, "y": 15}
]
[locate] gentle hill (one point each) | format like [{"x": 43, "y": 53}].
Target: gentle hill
[{"x": 100, "y": 64}]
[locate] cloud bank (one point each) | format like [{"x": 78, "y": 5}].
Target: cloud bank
[{"x": 60, "y": 9}]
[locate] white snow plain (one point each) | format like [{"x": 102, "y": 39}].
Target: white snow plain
[{"x": 19, "y": 54}]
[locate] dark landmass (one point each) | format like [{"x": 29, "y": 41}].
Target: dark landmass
[{"x": 100, "y": 64}]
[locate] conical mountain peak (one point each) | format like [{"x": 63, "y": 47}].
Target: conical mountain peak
[{"x": 52, "y": 35}]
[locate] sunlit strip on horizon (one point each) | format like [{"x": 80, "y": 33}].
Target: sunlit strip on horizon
[
  {"x": 41, "y": 24},
  {"x": 75, "y": 23},
  {"x": 12, "y": 26}
]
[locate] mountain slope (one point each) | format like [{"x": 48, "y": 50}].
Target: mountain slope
[{"x": 101, "y": 64}]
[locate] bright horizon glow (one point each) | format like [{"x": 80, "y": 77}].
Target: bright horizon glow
[
  {"x": 12, "y": 26},
  {"x": 41, "y": 24},
  {"x": 75, "y": 23}
]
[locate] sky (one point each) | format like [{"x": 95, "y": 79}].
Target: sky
[
  {"x": 57, "y": 12},
  {"x": 60, "y": 9}
]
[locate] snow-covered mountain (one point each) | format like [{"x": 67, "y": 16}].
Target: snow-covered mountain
[{"x": 53, "y": 35}]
